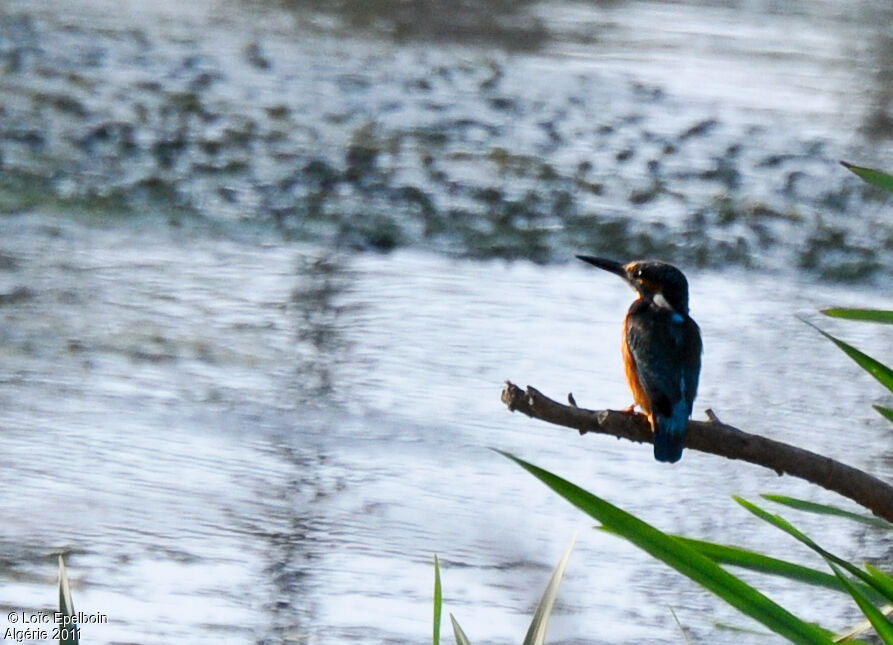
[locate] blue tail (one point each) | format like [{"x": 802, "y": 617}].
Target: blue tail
[{"x": 669, "y": 435}]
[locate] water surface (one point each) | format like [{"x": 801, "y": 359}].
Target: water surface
[
  {"x": 264, "y": 268},
  {"x": 270, "y": 442}
]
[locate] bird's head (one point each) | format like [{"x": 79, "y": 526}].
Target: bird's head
[{"x": 655, "y": 281}]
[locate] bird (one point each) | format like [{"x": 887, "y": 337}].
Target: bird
[{"x": 661, "y": 349}]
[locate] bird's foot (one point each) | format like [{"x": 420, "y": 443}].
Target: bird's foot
[{"x": 630, "y": 410}]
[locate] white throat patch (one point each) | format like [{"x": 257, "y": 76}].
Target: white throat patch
[{"x": 662, "y": 303}]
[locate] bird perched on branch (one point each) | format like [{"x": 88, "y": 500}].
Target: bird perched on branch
[{"x": 661, "y": 349}]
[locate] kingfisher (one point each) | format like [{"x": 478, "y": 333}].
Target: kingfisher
[{"x": 661, "y": 349}]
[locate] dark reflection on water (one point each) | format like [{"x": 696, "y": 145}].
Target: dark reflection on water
[
  {"x": 502, "y": 23},
  {"x": 317, "y": 302},
  {"x": 288, "y": 552},
  {"x": 878, "y": 119}
]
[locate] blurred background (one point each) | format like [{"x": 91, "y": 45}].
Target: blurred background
[{"x": 265, "y": 264}]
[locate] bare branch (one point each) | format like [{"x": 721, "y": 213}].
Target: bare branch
[{"x": 716, "y": 438}]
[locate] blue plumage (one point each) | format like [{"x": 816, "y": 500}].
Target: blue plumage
[{"x": 669, "y": 432}]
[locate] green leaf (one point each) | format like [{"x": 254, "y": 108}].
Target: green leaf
[
  {"x": 875, "y": 571},
  {"x": 880, "y": 623},
  {"x": 882, "y": 578},
  {"x": 883, "y": 585},
  {"x": 684, "y": 559},
  {"x": 871, "y": 176},
  {"x": 68, "y": 634},
  {"x": 864, "y": 315},
  {"x": 887, "y": 413},
  {"x": 536, "y": 633},
  {"x": 738, "y": 629},
  {"x": 877, "y": 369},
  {"x": 461, "y": 638},
  {"x": 745, "y": 559},
  {"x": 438, "y": 601},
  {"x": 825, "y": 509}
]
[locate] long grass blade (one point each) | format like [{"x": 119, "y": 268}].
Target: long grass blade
[
  {"x": 738, "y": 629},
  {"x": 871, "y": 176},
  {"x": 882, "y": 584},
  {"x": 877, "y": 369},
  {"x": 850, "y": 634},
  {"x": 438, "y": 602},
  {"x": 461, "y": 638},
  {"x": 881, "y": 625},
  {"x": 681, "y": 628},
  {"x": 876, "y": 572},
  {"x": 684, "y": 559},
  {"x": 68, "y": 635},
  {"x": 865, "y": 315},
  {"x": 880, "y": 577},
  {"x": 753, "y": 561},
  {"x": 885, "y": 412},
  {"x": 536, "y": 633},
  {"x": 826, "y": 509}
]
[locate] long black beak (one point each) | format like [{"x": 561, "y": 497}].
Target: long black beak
[{"x": 608, "y": 265}]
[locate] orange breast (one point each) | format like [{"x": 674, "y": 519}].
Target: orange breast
[{"x": 632, "y": 376}]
